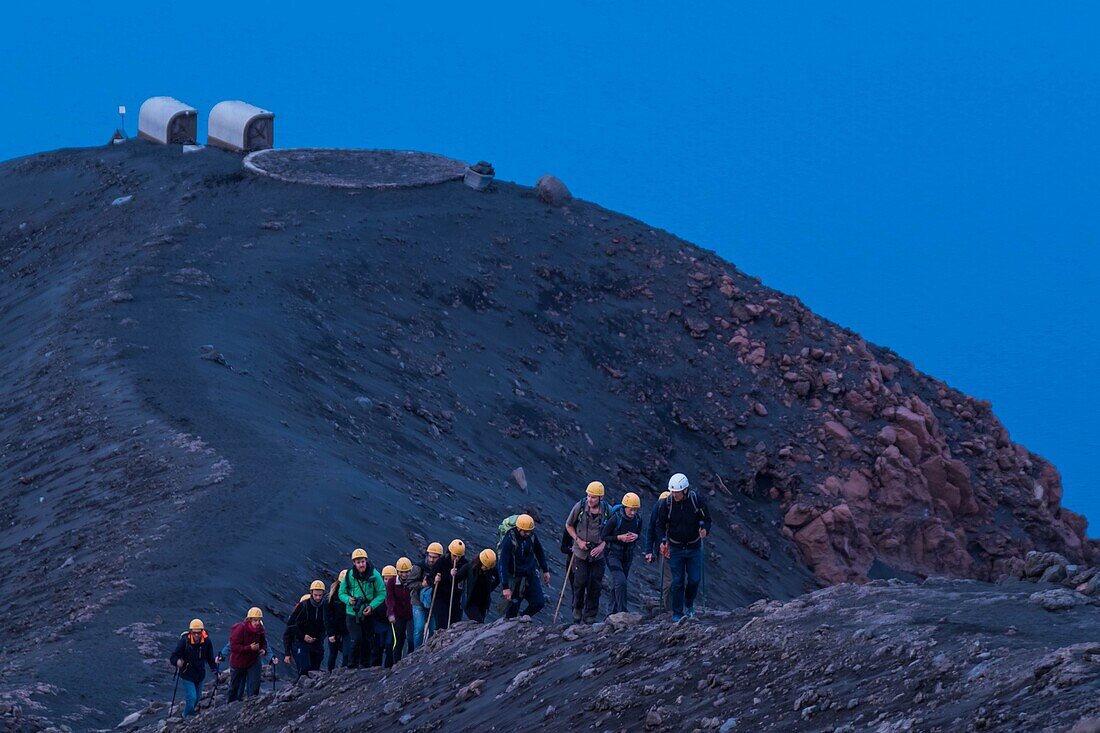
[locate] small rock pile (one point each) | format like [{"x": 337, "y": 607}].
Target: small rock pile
[{"x": 1080, "y": 584}]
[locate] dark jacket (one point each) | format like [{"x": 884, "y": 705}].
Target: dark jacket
[
  {"x": 194, "y": 655},
  {"x": 336, "y": 620},
  {"x": 520, "y": 556},
  {"x": 307, "y": 619},
  {"x": 679, "y": 522},
  {"x": 652, "y": 539},
  {"x": 480, "y": 584},
  {"x": 399, "y": 599},
  {"x": 619, "y": 524},
  {"x": 442, "y": 570},
  {"x": 241, "y": 638}
]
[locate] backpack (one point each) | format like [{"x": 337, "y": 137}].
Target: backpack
[
  {"x": 694, "y": 505},
  {"x": 566, "y": 539},
  {"x": 505, "y": 527}
]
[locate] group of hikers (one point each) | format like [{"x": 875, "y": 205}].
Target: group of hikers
[{"x": 369, "y": 618}]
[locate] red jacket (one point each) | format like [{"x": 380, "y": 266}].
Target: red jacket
[
  {"x": 241, "y": 638},
  {"x": 398, "y": 600}
]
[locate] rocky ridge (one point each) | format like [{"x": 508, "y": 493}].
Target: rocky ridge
[{"x": 885, "y": 657}]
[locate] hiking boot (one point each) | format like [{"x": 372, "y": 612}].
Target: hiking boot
[
  {"x": 690, "y": 613},
  {"x": 677, "y": 618}
]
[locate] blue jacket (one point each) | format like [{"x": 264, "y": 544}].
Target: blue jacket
[{"x": 520, "y": 556}]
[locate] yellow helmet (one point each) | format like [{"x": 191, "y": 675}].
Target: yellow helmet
[
  {"x": 488, "y": 559},
  {"x": 389, "y": 572},
  {"x": 317, "y": 585},
  {"x": 255, "y": 612},
  {"x": 525, "y": 522},
  {"x": 196, "y": 625},
  {"x": 343, "y": 574},
  {"x": 595, "y": 489},
  {"x": 435, "y": 549},
  {"x": 631, "y": 501},
  {"x": 359, "y": 553},
  {"x": 666, "y": 494},
  {"x": 457, "y": 548},
  {"x": 404, "y": 565}
]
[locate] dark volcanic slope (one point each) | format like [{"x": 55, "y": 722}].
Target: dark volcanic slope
[
  {"x": 217, "y": 388},
  {"x": 889, "y": 657}
]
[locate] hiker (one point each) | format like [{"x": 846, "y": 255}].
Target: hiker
[
  {"x": 431, "y": 556},
  {"x": 247, "y": 646},
  {"x": 447, "y": 607},
  {"x": 682, "y": 523},
  {"x": 414, "y": 579},
  {"x": 521, "y": 557},
  {"x": 583, "y": 525},
  {"x": 193, "y": 650},
  {"x": 336, "y": 621},
  {"x": 621, "y": 533},
  {"x": 384, "y": 632},
  {"x": 364, "y": 593},
  {"x": 399, "y": 610},
  {"x": 288, "y": 636},
  {"x": 480, "y": 578},
  {"x": 306, "y": 630}
]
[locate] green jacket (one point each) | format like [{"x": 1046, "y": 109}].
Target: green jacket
[{"x": 370, "y": 592}]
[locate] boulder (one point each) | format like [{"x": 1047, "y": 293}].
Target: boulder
[
  {"x": 623, "y": 620},
  {"x": 1053, "y": 574},
  {"x": 833, "y": 548},
  {"x": 1036, "y": 563},
  {"x": 1058, "y": 599},
  {"x": 552, "y": 191}
]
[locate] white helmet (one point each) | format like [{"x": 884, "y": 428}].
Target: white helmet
[{"x": 679, "y": 482}]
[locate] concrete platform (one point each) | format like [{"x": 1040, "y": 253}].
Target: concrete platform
[{"x": 347, "y": 168}]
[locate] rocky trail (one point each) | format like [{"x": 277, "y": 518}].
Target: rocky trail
[
  {"x": 888, "y": 656},
  {"x": 217, "y": 384}
]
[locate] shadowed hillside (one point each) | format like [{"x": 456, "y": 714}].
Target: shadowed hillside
[{"x": 217, "y": 388}]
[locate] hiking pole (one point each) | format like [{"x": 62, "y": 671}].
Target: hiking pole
[
  {"x": 174, "y": 688},
  {"x": 454, "y": 579},
  {"x": 703, "y": 568},
  {"x": 661, "y": 580},
  {"x": 274, "y": 673},
  {"x": 217, "y": 677},
  {"x": 431, "y": 607},
  {"x": 564, "y": 582}
]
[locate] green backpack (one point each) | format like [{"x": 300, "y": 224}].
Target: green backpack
[{"x": 505, "y": 527}]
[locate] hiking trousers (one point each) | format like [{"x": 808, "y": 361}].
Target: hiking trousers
[
  {"x": 337, "y": 648},
  {"x": 244, "y": 682},
  {"x": 618, "y": 566},
  {"x": 420, "y": 620},
  {"x": 529, "y": 586},
  {"x": 587, "y": 584},
  {"x": 686, "y": 565},
  {"x": 402, "y": 638},
  {"x": 308, "y": 657},
  {"x": 364, "y": 646},
  {"x": 476, "y": 613},
  {"x": 192, "y": 691}
]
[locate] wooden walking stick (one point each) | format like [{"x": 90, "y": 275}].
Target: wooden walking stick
[
  {"x": 564, "y": 582},
  {"x": 428, "y": 623},
  {"x": 454, "y": 579}
]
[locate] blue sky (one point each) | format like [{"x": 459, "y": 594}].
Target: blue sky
[{"x": 928, "y": 176}]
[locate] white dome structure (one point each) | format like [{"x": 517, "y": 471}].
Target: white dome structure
[
  {"x": 240, "y": 127},
  {"x": 167, "y": 121}
]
